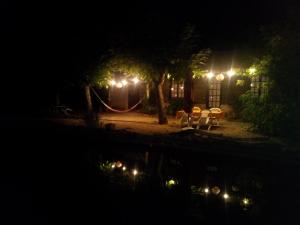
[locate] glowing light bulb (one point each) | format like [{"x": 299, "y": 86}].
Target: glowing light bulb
[
  {"x": 171, "y": 182},
  {"x": 230, "y": 73},
  {"x": 112, "y": 82},
  {"x": 225, "y": 196},
  {"x": 135, "y": 80},
  {"x": 119, "y": 164},
  {"x": 210, "y": 75},
  {"x": 119, "y": 85},
  {"x": 113, "y": 166},
  {"x": 124, "y": 168},
  {"x": 206, "y": 190},
  {"x": 124, "y": 82},
  {"x": 220, "y": 77},
  {"x": 134, "y": 172},
  {"x": 246, "y": 201}
]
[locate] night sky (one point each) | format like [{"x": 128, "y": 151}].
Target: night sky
[{"x": 46, "y": 40}]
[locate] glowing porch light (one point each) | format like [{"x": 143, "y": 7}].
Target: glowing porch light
[
  {"x": 172, "y": 89},
  {"x": 124, "y": 168},
  {"x": 113, "y": 166},
  {"x": 124, "y": 82},
  {"x": 220, "y": 77},
  {"x": 181, "y": 87},
  {"x": 206, "y": 190},
  {"x": 210, "y": 75},
  {"x": 112, "y": 82},
  {"x": 119, "y": 85},
  {"x": 134, "y": 172},
  {"x": 230, "y": 73},
  {"x": 225, "y": 196},
  {"x": 135, "y": 80}
]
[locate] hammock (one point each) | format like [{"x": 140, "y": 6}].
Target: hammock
[{"x": 115, "y": 110}]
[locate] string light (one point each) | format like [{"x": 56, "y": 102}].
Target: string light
[
  {"x": 112, "y": 82},
  {"x": 119, "y": 85},
  {"x": 134, "y": 172},
  {"x": 225, "y": 196},
  {"x": 210, "y": 75},
  {"x": 135, "y": 80},
  {"x": 220, "y": 77},
  {"x": 230, "y": 73},
  {"x": 245, "y": 201}
]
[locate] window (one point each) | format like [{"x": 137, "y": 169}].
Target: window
[
  {"x": 214, "y": 93},
  {"x": 259, "y": 85},
  {"x": 177, "y": 90}
]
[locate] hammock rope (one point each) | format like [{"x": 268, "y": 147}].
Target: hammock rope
[{"x": 115, "y": 110}]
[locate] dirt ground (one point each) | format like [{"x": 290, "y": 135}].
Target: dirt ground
[{"x": 147, "y": 124}]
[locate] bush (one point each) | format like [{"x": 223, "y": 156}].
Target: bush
[
  {"x": 174, "y": 106},
  {"x": 266, "y": 116},
  {"x": 148, "y": 107}
]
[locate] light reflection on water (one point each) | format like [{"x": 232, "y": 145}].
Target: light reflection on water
[{"x": 207, "y": 186}]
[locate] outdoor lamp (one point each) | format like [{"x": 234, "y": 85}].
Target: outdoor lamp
[
  {"x": 246, "y": 201},
  {"x": 119, "y": 85},
  {"x": 134, "y": 172},
  {"x": 124, "y": 82},
  {"x": 225, "y": 196},
  {"x": 112, "y": 82},
  {"x": 135, "y": 80},
  {"x": 210, "y": 75},
  {"x": 220, "y": 77},
  {"x": 230, "y": 73}
]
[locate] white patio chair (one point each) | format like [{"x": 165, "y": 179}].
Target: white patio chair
[
  {"x": 205, "y": 119},
  {"x": 217, "y": 114},
  {"x": 182, "y": 116}
]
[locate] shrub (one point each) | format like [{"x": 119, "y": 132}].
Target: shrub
[
  {"x": 148, "y": 106},
  {"x": 174, "y": 106},
  {"x": 266, "y": 116}
]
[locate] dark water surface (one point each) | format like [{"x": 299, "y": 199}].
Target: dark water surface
[{"x": 53, "y": 175}]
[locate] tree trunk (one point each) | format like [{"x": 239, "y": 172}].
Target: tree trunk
[
  {"x": 162, "y": 114},
  {"x": 147, "y": 91},
  {"x": 88, "y": 101},
  {"x": 188, "y": 85}
]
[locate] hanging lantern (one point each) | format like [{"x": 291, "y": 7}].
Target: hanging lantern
[
  {"x": 119, "y": 85},
  {"x": 119, "y": 164},
  {"x": 220, "y": 77},
  {"x": 216, "y": 190}
]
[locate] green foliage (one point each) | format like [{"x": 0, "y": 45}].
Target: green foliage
[
  {"x": 278, "y": 112},
  {"x": 148, "y": 107},
  {"x": 175, "y": 105},
  {"x": 266, "y": 116},
  {"x": 126, "y": 65}
]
